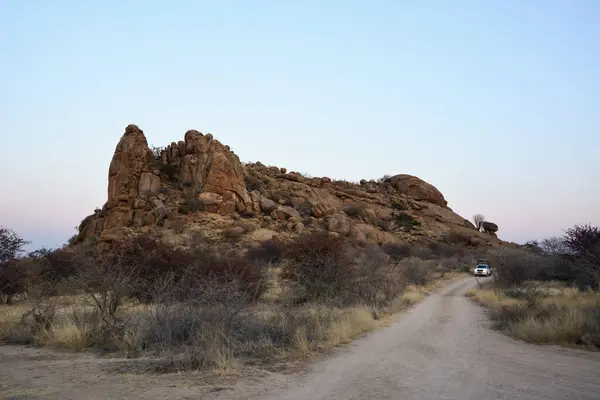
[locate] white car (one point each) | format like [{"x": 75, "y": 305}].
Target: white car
[{"x": 482, "y": 270}]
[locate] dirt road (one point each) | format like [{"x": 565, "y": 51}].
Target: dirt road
[{"x": 440, "y": 349}]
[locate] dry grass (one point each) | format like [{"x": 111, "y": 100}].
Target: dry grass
[
  {"x": 271, "y": 331},
  {"x": 213, "y": 308},
  {"x": 545, "y": 313}
]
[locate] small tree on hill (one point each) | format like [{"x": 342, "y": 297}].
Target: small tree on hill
[{"x": 478, "y": 221}]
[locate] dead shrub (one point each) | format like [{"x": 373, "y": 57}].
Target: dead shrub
[
  {"x": 457, "y": 238},
  {"x": 415, "y": 271},
  {"x": 514, "y": 266},
  {"x": 332, "y": 269},
  {"x": 269, "y": 251},
  {"x": 397, "y": 251}
]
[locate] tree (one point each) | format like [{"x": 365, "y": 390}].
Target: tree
[
  {"x": 554, "y": 245},
  {"x": 583, "y": 239},
  {"x": 11, "y": 276},
  {"x": 478, "y": 221},
  {"x": 534, "y": 246},
  {"x": 584, "y": 243},
  {"x": 11, "y": 246}
]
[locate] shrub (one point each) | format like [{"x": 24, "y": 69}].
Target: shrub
[
  {"x": 12, "y": 277},
  {"x": 354, "y": 210},
  {"x": 446, "y": 250},
  {"x": 333, "y": 270},
  {"x": 406, "y": 221},
  {"x": 192, "y": 204},
  {"x": 457, "y": 238},
  {"x": 170, "y": 171},
  {"x": 415, "y": 271},
  {"x": 399, "y": 205},
  {"x": 515, "y": 266},
  {"x": 252, "y": 182},
  {"x": 269, "y": 251},
  {"x": 155, "y": 270},
  {"x": 320, "y": 263}
]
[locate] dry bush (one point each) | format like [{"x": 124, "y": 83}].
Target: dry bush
[
  {"x": 201, "y": 324},
  {"x": 13, "y": 281},
  {"x": 415, "y": 271},
  {"x": 537, "y": 314},
  {"x": 198, "y": 308},
  {"x": 157, "y": 268},
  {"x": 514, "y": 266},
  {"x": 191, "y": 204},
  {"x": 332, "y": 269},
  {"x": 457, "y": 238},
  {"x": 397, "y": 251},
  {"x": 321, "y": 264},
  {"x": 269, "y": 251},
  {"x": 252, "y": 181}
]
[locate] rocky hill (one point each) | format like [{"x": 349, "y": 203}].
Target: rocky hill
[{"x": 199, "y": 185}]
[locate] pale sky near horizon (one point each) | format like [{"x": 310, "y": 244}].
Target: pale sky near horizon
[{"x": 496, "y": 103}]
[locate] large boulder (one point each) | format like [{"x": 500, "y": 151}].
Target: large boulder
[
  {"x": 417, "y": 189},
  {"x": 339, "y": 223},
  {"x": 267, "y": 205},
  {"x": 489, "y": 227}
]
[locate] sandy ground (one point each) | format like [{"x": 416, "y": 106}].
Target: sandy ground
[{"x": 441, "y": 349}]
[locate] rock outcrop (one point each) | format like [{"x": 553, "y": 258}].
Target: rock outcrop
[
  {"x": 199, "y": 185},
  {"x": 144, "y": 189},
  {"x": 417, "y": 189}
]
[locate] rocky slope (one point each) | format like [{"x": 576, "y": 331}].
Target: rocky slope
[{"x": 199, "y": 185}]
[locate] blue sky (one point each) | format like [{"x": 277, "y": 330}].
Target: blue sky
[{"x": 496, "y": 103}]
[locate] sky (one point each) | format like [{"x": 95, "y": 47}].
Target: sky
[{"x": 496, "y": 103}]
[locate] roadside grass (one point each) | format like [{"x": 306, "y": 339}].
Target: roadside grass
[
  {"x": 544, "y": 313},
  {"x": 187, "y": 336}
]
